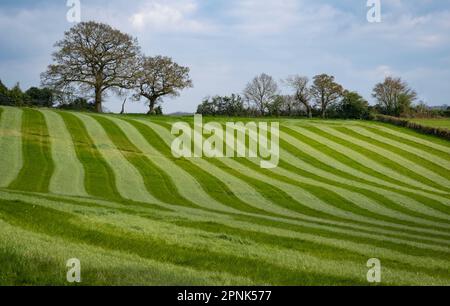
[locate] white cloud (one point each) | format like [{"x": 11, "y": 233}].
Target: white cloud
[{"x": 168, "y": 16}]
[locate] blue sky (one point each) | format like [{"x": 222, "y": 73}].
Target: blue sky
[{"x": 227, "y": 42}]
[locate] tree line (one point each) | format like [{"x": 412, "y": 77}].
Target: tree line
[{"x": 323, "y": 97}]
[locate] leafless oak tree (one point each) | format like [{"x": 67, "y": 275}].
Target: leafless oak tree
[
  {"x": 394, "y": 95},
  {"x": 302, "y": 92},
  {"x": 93, "y": 57},
  {"x": 261, "y": 91},
  {"x": 158, "y": 77}
]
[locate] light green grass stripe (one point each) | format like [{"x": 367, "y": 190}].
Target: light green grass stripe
[
  {"x": 414, "y": 150},
  {"x": 187, "y": 186},
  {"x": 361, "y": 158},
  {"x": 402, "y": 200},
  {"x": 128, "y": 180},
  {"x": 420, "y": 140},
  {"x": 68, "y": 176},
  {"x": 358, "y": 248},
  {"x": 11, "y": 156},
  {"x": 396, "y": 158},
  {"x": 326, "y": 159}
]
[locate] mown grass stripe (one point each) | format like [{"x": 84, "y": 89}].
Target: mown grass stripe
[
  {"x": 68, "y": 176},
  {"x": 332, "y": 161},
  {"x": 129, "y": 181},
  {"x": 37, "y": 159},
  {"x": 291, "y": 165},
  {"x": 348, "y": 149},
  {"x": 362, "y": 200},
  {"x": 135, "y": 149},
  {"x": 11, "y": 159},
  {"x": 99, "y": 179},
  {"x": 166, "y": 135},
  {"x": 216, "y": 192},
  {"x": 424, "y": 140},
  {"x": 438, "y": 162},
  {"x": 389, "y": 158},
  {"x": 430, "y": 151}
]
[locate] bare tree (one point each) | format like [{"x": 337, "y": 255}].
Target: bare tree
[
  {"x": 158, "y": 77},
  {"x": 326, "y": 92},
  {"x": 261, "y": 91},
  {"x": 93, "y": 57},
  {"x": 394, "y": 96},
  {"x": 302, "y": 92}
]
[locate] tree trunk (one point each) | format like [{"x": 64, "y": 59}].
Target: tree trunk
[
  {"x": 152, "y": 103},
  {"x": 98, "y": 100},
  {"x": 309, "y": 110},
  {"x": 123, "y": 107}
]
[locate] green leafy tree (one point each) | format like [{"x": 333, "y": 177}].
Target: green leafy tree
[
  {"x": 40, "y": 97},
  {"x": 353, "y": 106}
]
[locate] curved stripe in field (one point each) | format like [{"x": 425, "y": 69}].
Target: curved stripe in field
[
  {"x": 406, "y": 201},
  {"x": 239, "y": 188},
  {"x": 419, "y": 140},
  {"x": 128, "y": 180},
  {"x": 311, "y": 201},
  {"x": 414, "y": 150},
  {"x": 358, "y": 157},
  {"x": 11, "y": 160},
  {"x": 68, "y": 176},
  {"x": 186, "y": 184},
  {"x": 328, "y": 160},
  {"x": 396, "y": 158}
]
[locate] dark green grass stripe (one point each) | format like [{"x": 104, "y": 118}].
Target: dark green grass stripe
[
  {"x": 36, "y": 147},
  {"x": 1, "y": 112},
  {"x": 403, "y": 153},
  {"x": 346, "y": 160},
  {"x": 214, "y": 187},
  {"x": 328, "y": 168},
  {"x": 157, "y": 182},
  {"x": 405, "y": 141},
  {"x": 378, "y": 158},
  {"x": 99, "y": 177},
  {"x": 58, "y": 224}
]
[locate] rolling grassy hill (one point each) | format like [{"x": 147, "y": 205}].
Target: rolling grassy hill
[{"x": 106, "y": 189}]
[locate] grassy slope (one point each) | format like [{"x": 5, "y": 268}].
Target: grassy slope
[
  {"x": 439, "y": 123},
  {"x": 106, "y": 190}
]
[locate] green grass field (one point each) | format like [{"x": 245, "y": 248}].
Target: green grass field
[
  {"x": 105, "y": 189},
  {"x": 439, "y": 123}
]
